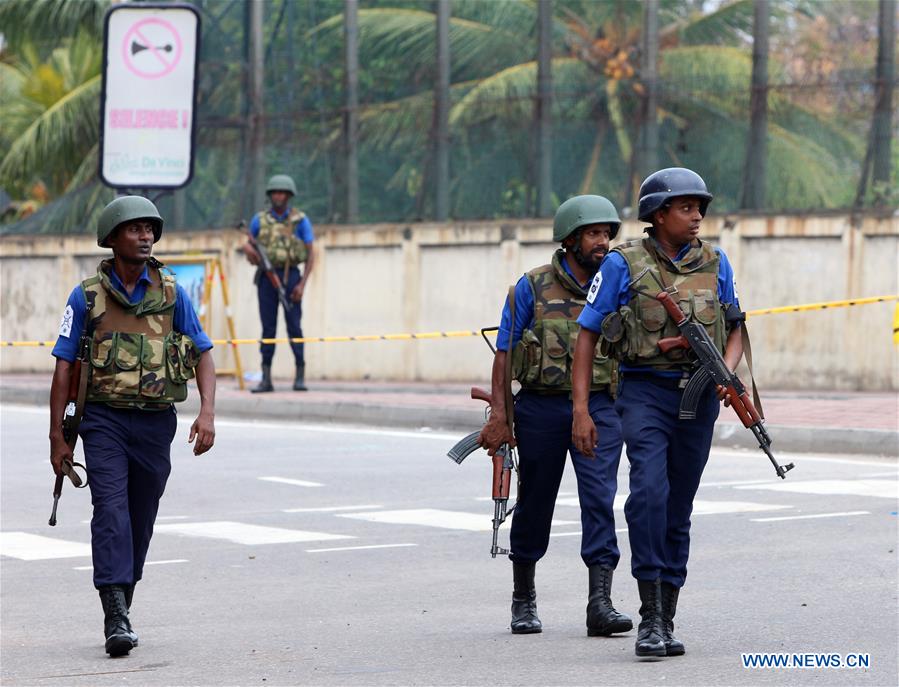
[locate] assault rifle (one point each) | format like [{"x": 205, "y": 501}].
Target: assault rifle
[
  {"x": 712, "y": 368},
  {"x": 265, "y": 264},
  {"x": 503, "y": 463},
  {"x": 71, "y": 420}
]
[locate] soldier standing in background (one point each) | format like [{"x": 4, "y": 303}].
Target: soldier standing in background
[{"x": 285, "y": 233}]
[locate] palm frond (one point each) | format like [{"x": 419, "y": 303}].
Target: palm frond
[
  {"x": 74, "y": 213},
  {"x": 57, "y": 139},
  {"x": 509, "y": 94},
  {"x": 407, "y": 37},
  {"x": 35, "y": 20}
]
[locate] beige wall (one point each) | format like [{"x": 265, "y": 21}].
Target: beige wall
[{"x": 375, "y": 279}]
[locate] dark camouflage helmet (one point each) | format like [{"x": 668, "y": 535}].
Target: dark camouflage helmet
[
  {"x": 127, "y": 209},
  {"x": 580, "y": 211},
  {"x": 674, "y": 182},
  {"x": 281, "y": 182}
]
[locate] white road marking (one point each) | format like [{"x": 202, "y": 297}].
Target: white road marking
[
  {"x": 34, "y": 547},
  {"x": 174, "y": 560},
  {"x": 574, "y": 534},
  {"x": 722, "y": 507},
  {"x": 294, "y": 482},
  {"x": 810, "y": 517},
  {"x": 242, "y": 533},
  {"x": 172, "y": 517},
  {"x": 882, "y": 488},
  {"x": 734, "y": 484},
  {"x": 330, "y": 509},
  {"x": 433, "y": 517},
  {"x": 890, "y": 473},
  {"x": 700, "y": 507},
  {"x": 560, "y": 494},
  {"x": 359, "y": 548},
  {"x": 330, "y": 429}
]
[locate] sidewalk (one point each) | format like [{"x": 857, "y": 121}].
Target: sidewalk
[{"x": 814, "y": 421}]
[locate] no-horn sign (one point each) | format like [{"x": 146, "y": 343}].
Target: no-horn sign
[{"x": 147, "y": 128}]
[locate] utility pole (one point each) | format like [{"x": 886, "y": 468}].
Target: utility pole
[
  {"x": 256, "y": 138},
  {"x": 648, "y": 160},
  {"x": 883, "y": 108},
  {"x": 441, "y": 113},
  {"x": 754, "y": 171},
  {"x": 351, "y": 113},
  {"x": 544, "y": 107}
]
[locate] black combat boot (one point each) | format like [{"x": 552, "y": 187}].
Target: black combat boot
[
  {"x": 602, "y": 618},
  {"x": 265, "y": 384},
  {"x": 673, "y": 646},
  {"x": 116, "y": 626},
  {"x": 524, "y": 600},
  {"x": 649, "y": 633},
  {"x": 299, "y": 382},
  {"x": 129, "y": 595}
]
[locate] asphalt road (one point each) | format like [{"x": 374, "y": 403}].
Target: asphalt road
[{"x": 320, "y": 555}]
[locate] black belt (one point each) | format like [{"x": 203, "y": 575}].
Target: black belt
[{"x": 675, "y": 383}]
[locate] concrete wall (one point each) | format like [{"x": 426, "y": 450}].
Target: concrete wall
[{"x": 374, "y": 279}]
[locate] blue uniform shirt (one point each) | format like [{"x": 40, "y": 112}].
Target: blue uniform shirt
[
  {"x": 524, "y": 311},
  {"x": 610, "y": 291},
  {"x": 303, "y": 231},
  {"x": 184, "y": 321}
]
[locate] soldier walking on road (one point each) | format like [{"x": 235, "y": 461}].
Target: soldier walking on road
[
  {"x": 667, "y": 454},
  {"x": 547, "y": 302},
  {"x": 286, "y": 235},
  {"x": 145, "y": 343}
]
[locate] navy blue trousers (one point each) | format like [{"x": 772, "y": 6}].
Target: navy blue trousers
[
  {"x": 268, "y": 313},
  {"x": 127, "y": 454},
  {"x": 543, "y": 432},
  {"x": 667, "y": 457}
]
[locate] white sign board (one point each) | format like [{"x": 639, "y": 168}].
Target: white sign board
[{"x": 148, "y": 102}]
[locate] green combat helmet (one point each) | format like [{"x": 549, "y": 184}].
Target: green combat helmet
[
  {"x": 580, "y": 211},
  {"x": 127, "y": 209},
  {"x": 281, "y": 182}
]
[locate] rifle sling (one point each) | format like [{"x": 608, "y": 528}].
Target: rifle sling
[
  {"x": 508, "y": 371},
  {"x": 747, "y": 353}
]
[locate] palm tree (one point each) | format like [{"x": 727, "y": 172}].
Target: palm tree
[
  {"x": 704, "y": 77},
  {"x": 50, "y": 115}
]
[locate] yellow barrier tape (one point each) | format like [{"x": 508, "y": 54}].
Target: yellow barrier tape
[
  {"x": 823, "y": 306},
  {"x": 466, "y": 333}
]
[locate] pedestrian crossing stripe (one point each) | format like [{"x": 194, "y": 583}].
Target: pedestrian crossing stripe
[
  {"x": 242, "y": 533},
  {"x": 700, "y": 506},
  {"x": 881, "y": 488},
  {"x": 433, "y": 517},
  {"x": 34, "y": 547}
]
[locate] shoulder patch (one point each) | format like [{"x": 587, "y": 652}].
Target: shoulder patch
[
  {"x": 65, "y": 327},
  {"x": 594, "y": 287}
]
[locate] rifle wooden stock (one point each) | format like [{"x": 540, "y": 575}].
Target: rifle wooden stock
[
  {"x": 502, "y": 475},
  {"x": 673, "y": 343},
  {"x": 672, "y": 308},
  {"x": 478, "y": 394}
]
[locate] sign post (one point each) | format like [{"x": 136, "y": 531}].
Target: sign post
[{"x": 149, "y": 95}]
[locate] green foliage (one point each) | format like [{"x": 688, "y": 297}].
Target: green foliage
[{"x": 49, "y": 85}]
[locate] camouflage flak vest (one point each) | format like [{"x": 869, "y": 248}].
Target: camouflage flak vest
[
  {"x": 136, "y": 359},
  {"x": 279, "y": 239},
  {"x": 542, "y": 359},
  {"x": 633, "y": 332}
]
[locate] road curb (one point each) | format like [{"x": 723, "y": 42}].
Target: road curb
[{"x": 727, "y": 434}]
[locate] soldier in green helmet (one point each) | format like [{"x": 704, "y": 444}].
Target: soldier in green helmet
[
  {"x": 540, "y": 340},
  {"x": 143, "y": 343},
  {"x": 285, "y": 233}
]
